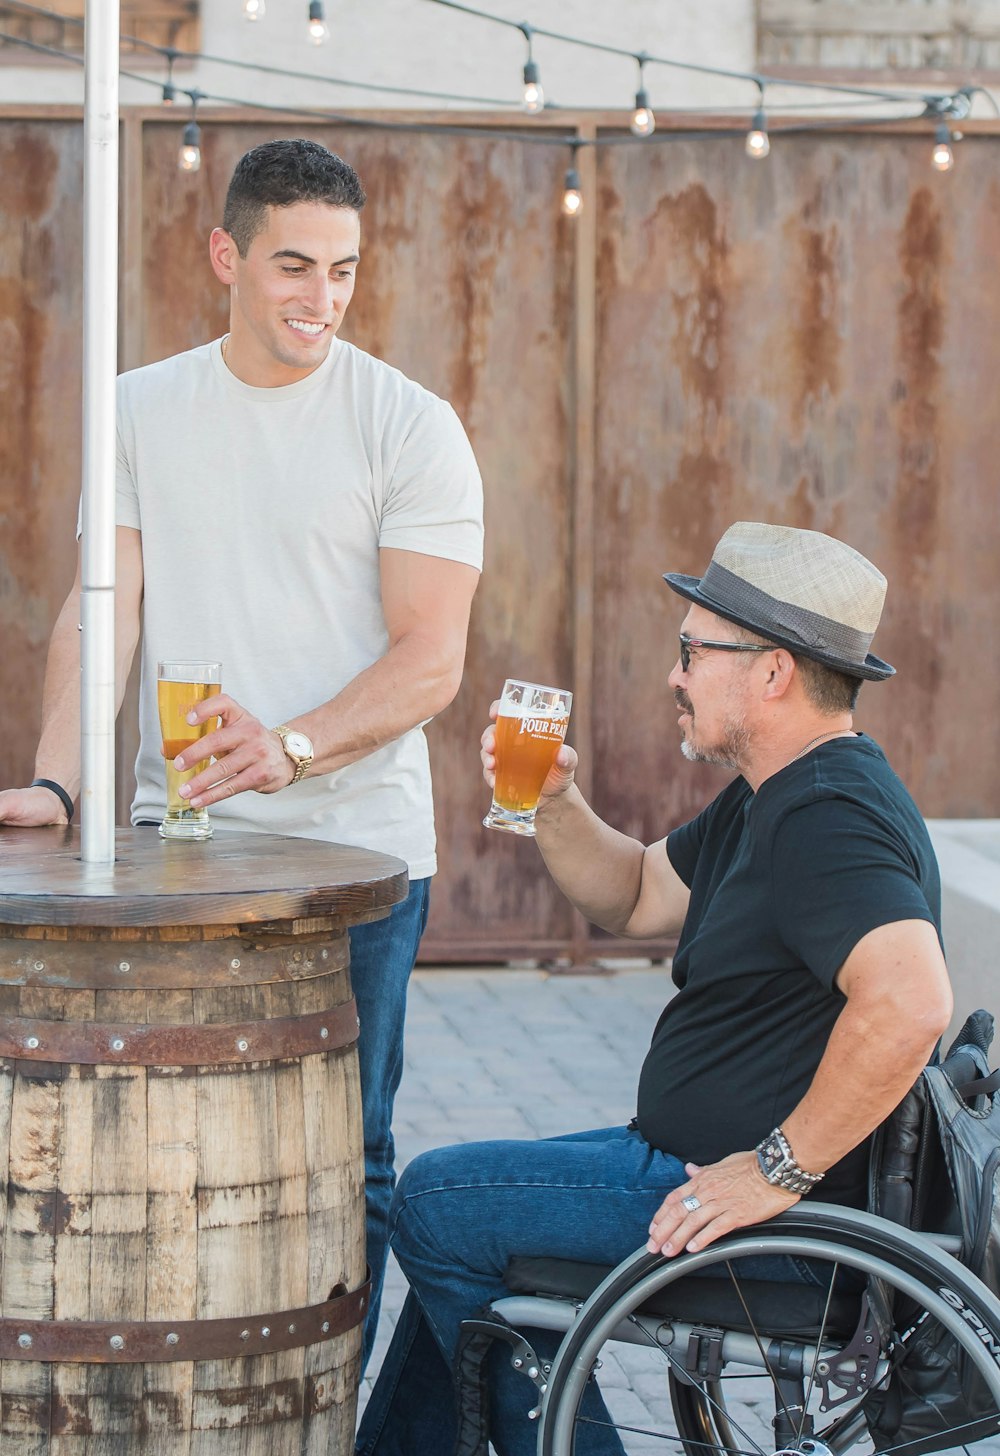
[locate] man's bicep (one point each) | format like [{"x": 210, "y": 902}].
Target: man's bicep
[
  {"x": 428, "y": 599},
  {"x": 900, "y": 968},
  {"x": 128, "y": 602},
  {"x": 128, "y": 567},
  {"x": 128, "y": 580},
  {"x": 663, "y": 896}
]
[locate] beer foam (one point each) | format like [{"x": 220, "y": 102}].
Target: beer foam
[{"x": 519, "y": 710}]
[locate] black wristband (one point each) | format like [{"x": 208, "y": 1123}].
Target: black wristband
[{"x": 59, "y": 792}]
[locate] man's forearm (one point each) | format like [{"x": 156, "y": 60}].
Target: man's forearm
[
  {"x": 596, "y": 867},
  {"x": 58, "y": 753},
  {"x": 876, "y": 1052},
  {"x": 407, "y": 686}
]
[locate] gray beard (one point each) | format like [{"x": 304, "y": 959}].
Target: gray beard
[{"x": 729, "y": 753}]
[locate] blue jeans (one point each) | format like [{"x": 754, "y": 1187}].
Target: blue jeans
[
  {"x": 382, "y": 957},
  {"x": 458, "y": 1216}
]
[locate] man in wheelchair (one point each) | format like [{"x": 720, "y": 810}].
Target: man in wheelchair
[{"x": 811, "y": 988}]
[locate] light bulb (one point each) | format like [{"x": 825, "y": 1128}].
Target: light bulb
[
  {"x": 189, "y": 158},
  {"x": 572, "y": 203},
  {"x": 318, "y": 30},
  {"x": 254, "y": 9},
  {"x": 169, "y": 93},
  {"x": 643, "y": 121},
  {"x": 942, "y": 157},
  {"x": 534, "y": 97},
  {"x": 758, "y": 143}
]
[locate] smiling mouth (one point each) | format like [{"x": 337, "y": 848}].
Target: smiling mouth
[{"x": 306, "y": 329}]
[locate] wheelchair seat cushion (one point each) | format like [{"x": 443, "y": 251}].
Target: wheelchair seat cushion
[{"x": 783, "y": 1310}]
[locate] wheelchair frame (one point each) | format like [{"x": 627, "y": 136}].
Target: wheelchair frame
[{"x": 916, "y": 1268}]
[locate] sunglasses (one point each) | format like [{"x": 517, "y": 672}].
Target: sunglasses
[{"x": 699, "y": 642}]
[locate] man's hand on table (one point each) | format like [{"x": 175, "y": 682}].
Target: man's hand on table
[
  {"x": 731, "y": 1195},
  {"x": 32, "y": 808},
  {"x": 247, "y": 755}
]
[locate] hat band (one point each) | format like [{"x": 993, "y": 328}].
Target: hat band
[{"x": 732, "y": 595}]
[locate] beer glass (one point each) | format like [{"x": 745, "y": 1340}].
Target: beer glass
[
  {"x": 530, "y": 729},
  {"x": 180, "y": 686}
]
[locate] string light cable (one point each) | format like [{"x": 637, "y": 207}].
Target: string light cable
[
  {"x": 525, "y": 135},
  {"x": 935, "y": 100},
  {"x": 954, "y": 104},
  {"x": 693, "y": 66},
  {"x": 171, "y": 54}
]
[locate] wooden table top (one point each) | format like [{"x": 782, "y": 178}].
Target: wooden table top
[{"x": 227, "y": 880}]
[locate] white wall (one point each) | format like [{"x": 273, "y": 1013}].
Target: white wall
[
  {"x": 414, "y": 43},
  {"x": 968, "y": 851}
]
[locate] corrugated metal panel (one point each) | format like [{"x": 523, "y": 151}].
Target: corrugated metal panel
[
  {"x": 804, "y": 341},
  {"x": 41, "y": 321}
]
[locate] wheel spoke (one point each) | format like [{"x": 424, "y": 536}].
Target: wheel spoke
[
  {"x": 753, "y": 1330},
  {"x": 819, "y": 1345},
  {"x": 657, "y": 1435},
  {"x": 683, "y": 1375}
]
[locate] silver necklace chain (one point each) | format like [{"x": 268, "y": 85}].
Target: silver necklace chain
[{"x": 833, "y": 733}]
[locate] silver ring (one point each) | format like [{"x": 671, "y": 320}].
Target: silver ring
[{"x": 691, "y": 1203}]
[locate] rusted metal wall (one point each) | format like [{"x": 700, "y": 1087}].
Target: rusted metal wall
[
  {"x": 810, "y": 340},
  {"x": 41, "y": 314}
]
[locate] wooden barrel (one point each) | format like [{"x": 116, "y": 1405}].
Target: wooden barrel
[{"x": 182, "y": 1238}]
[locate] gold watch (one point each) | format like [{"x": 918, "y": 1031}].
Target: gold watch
[{"x": 298, "y": 747}]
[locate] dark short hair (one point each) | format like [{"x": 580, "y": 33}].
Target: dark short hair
[
  {"x": 829, "y": 690},
  {"x": 826, "y": 688},
  {"x": 281, "y": 173}
]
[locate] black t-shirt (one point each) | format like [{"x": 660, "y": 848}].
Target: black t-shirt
[{"x": 784, "y": 884}]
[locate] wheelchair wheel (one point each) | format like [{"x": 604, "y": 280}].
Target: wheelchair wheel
[{"x": 892, "y": 1346}]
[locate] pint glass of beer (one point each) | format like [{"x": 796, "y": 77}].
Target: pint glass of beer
[
  {"x": 180, "y": 686},
  {"x": 530, "y": 729}
]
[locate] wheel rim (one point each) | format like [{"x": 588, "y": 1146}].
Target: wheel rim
[{"x": 703, "y": 1418}]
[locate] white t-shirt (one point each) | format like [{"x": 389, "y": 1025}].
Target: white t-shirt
[{"x": 262, "y": 513}]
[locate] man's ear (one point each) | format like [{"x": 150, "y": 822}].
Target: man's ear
[
  {"x": 223, "y": 252},
  {"x": 781, "y": 671}
]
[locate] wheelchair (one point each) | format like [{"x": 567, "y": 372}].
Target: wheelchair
[
  {"x": 887, "y": 1342},
  {"x": 747, "y": 1366}
]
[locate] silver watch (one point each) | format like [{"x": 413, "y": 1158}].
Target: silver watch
[
  {"x": 298, "y": 748},
  {"x": 777, "y": 1163}
]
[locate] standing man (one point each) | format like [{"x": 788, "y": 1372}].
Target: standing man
[
  {"x": 312, "y": 519},
  {"x": 811, "y": 985}
]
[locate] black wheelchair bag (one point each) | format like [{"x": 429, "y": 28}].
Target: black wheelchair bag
[{"x": 935, "y": 1167}]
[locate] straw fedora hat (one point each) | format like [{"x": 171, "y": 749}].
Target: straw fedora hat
[{"x": 799, "y": 589}]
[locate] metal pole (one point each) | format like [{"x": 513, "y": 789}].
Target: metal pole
[{"x": 100, "y": 368}]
